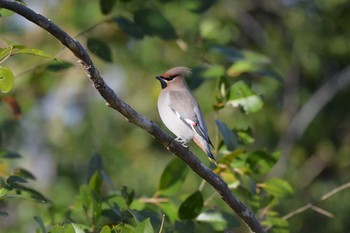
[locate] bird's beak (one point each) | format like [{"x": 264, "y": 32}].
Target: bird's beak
[{"x": 163, "y": 83}]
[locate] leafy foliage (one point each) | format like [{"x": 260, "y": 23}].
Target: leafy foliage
[
  {"x": 100, "y": 48},
  {"x": 6, "y": 79},
  {"x": 242, "y": 96},
  {"x": 107, "y": 6},
  {"x": 170, "y": 184},
  {"x": 191, "y": 207},
  {"x": 154, "y": 23}
]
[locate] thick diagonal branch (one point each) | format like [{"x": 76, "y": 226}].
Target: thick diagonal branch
[{"x": 133, "y": 116}]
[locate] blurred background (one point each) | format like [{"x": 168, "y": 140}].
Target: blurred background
[{"x": 299, "y": 65}]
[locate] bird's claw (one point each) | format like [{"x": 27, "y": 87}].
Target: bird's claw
[{"x": 183, "y": 142}]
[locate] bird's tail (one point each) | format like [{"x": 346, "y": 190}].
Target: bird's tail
[
  {"x": 211, "y": 158},
  {"x": 206, "y": 148}
]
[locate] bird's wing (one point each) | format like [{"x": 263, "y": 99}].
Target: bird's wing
[{"x": 188, "y": 111}]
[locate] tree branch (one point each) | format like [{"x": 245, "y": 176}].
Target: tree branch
[{"x": 133, "y": 116}]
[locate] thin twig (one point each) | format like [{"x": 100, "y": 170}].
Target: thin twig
[
  {"x": 209, "y": 198},
  {"x": 312, "y": 205},
  {"x": 334, "y": 191},
  {"x": 134, "y": 117},
  {"x": 322, "y": 211},
  {"x": 154, "y": 200},
  {"x": 162, "y": 224},
  {"x": 43, "y": 64},
  {"x": 297, "y": 211},
  {"x": 201, "y": 185}
]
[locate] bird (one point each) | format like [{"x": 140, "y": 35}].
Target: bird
[{"x": 180, "y": 111}]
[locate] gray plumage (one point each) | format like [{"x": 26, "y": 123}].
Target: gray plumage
[{"x": 180, "y": 111}]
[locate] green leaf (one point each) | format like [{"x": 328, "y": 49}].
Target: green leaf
[
  {"x": 85, "y": 196},
  {"x": 232, "y": 156},
  {"x": 240, "y": 67},
  {"x": 35, "y": 52},
  {"x": 17, "y": 46},
  {"x": 256, "y": 58},
  {"x": 113, "y": 213},
  {"x": 199, "y": 6},
  {"x": 78, "y": 228},
  {"x": 218, "y": 220},
  {"x": 138, "y": 204},
  {"x": 4, "y": 53},
  {"x": 170, "y": 210},
  {"x": 35, "y": 195},
  {"x": 250, "y": 62},
  {"x": 100, "y": 49},
  {"x": 118, "y": 201},
  {"x": 95, "y": 182},
  {"x": 56, "y": 65},
  {"x": 15, "y": 182},
  {"x": 130, "y": 28},
  {"x": 126, "y": 228},
  {"x": 260, "y": 162},
  {"x": 257, "y": 201},
  {"x": 95, "y": 185},
  {"x": 213, "y": 71},
  {"x": 105, "y": 229},
  {"x": 7, "y": 79},
  {"x": 244, "y": 136},
  {"x": 9, "y": 155},
  {"x": 23, "y": 173},
  {"x": 4, "y": 12},
  {"x": 142, "y": 215},
  {"x": 278, "y": 224},
  {"x": 154, "y": 23},
  {"x": 3, "y": 192},
  {"x": 222, "y": 88},
  {"x": 173, "y": 177},
  {"x": 128, "y": 196},
  {"x": 229, "y": 137},
  {"x": 191, "y": 207},
  {"x": 41, "y": 224},
  {"x": 144, "y": 227},
  {"x": 242, "y": 96},
  {"x": 277, "y": 187},
  {"x": 62, "y": 228},
  {"x": 106, "y": 6},
  {"x": 15, "y": 179}
]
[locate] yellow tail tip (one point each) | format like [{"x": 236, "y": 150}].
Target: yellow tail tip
[{"x": 212, "y": 159}]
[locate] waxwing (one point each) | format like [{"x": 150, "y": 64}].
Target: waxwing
[{"x": 180, "y": 111}]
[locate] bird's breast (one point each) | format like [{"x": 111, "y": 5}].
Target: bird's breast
[{"x": 172, "y": 121}]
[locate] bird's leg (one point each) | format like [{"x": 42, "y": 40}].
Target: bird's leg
[{"x": 183, "y": 142}]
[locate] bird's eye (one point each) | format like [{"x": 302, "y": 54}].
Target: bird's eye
[{"x": 171, "y": 77}]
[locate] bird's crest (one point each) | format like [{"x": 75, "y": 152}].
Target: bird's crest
[{"x": 180, "y": 70}]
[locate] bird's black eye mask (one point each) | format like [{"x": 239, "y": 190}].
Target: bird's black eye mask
[
  {"x": 170, "y": 78},
  {"x": 163, "y": 80}
]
